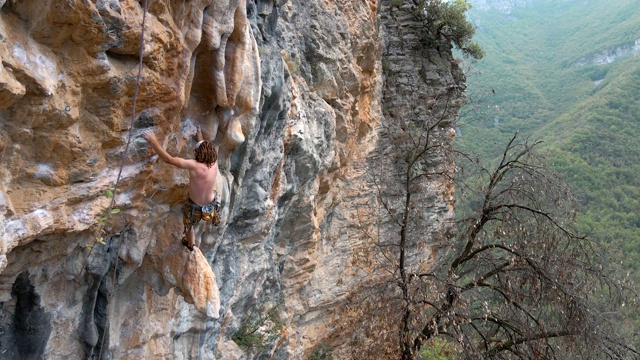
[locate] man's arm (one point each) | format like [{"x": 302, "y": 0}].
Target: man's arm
[{"x": 164, "y": 155}]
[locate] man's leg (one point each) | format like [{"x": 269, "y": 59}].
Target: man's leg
[{"x": 190, "y": 236}]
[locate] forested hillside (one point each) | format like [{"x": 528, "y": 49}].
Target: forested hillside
[{"x": 568, "y": 73}]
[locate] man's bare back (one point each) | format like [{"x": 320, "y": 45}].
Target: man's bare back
[
  {"x": 202, "y": 182},
  {"x": 202, "y": 179}
]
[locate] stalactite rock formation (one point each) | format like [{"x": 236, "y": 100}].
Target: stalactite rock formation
[{"x": 291, "y": 93}]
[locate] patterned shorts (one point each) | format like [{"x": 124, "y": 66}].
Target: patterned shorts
[{"x": 192, "y": 213}]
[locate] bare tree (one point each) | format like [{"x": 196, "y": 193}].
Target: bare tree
[
  {"x": 412, "y": 179},
  {"x": 512, "y": 279},
  {"x": 520, "y": 283}
]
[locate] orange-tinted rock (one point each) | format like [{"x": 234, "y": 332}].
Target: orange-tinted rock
[{"x": 291, "y": 93}]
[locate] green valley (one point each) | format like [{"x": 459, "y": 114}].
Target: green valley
[{"x": 568, "y": 73}]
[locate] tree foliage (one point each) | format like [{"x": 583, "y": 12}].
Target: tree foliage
[{"x": 447, "y": 21}]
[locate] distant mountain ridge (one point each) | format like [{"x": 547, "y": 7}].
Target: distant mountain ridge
[{"x": 504, "y": 6}]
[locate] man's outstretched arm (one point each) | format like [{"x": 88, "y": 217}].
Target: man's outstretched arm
[{"x": 164, "y": 155}]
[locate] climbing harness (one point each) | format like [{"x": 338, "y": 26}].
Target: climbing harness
[
  {"x": 192, "y": 213},
  {"x": 209, "y": 212}
]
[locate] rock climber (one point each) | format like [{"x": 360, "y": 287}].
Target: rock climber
[{"x": 203, "y": 171}]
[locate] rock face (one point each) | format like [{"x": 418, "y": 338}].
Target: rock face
[
  {"x": 291, "y": 92},
  {"x": 611, "y": 55}
]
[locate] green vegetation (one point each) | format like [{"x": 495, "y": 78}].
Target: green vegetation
[
  {"x": 438, "y": 349},
  {"x": 258, "y": 329},
  {"x": 322, "y": 352},
  {"x": 105, "y": 216},
  {"x": 596, "y": 147},
  {"x": 448, "y": 20},
  {"x": 539, "y": 77}
]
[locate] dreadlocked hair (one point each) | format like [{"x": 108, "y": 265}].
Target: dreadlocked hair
[{"x": 206, "y": 153}]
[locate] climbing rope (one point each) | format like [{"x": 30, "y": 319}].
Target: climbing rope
[
  {"x": 133, "y": 114},
  {"x": 119, "y": 177}
]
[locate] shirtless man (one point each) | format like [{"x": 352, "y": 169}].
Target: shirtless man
[{"x": 203, "y": 171}]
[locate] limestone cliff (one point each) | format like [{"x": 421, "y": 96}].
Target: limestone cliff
[{"x": 290, "y": 91}]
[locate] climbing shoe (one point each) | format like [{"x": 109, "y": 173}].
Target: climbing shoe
[{"x": 186, "y": 244}]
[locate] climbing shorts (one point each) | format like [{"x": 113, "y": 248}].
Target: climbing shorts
[{"x": 192, "y": 213}]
